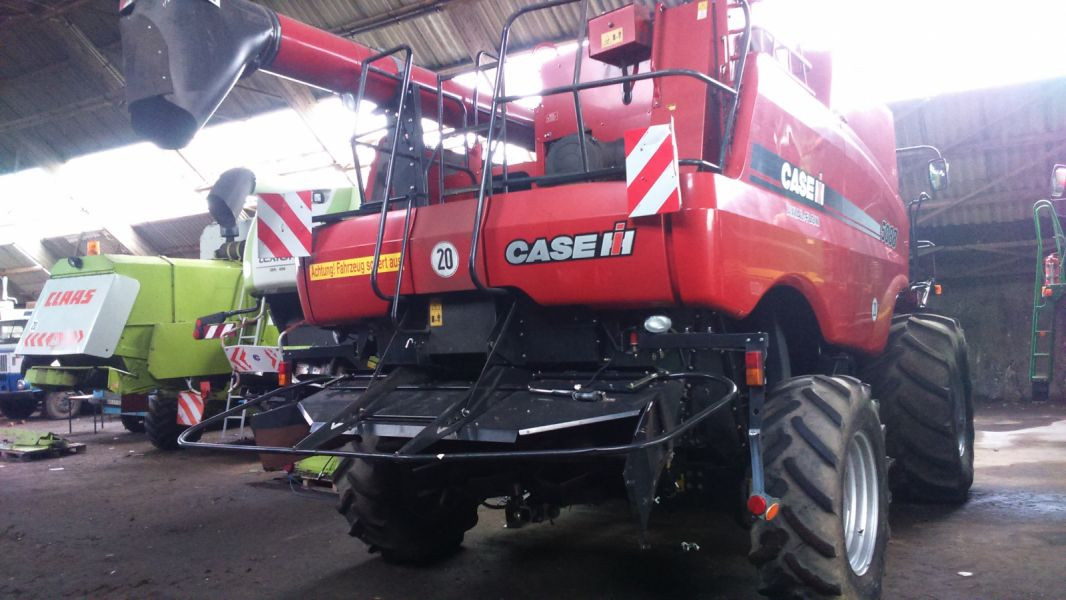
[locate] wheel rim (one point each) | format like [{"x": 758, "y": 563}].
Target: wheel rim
[
  {"x": 862, "y": 495},
  {"x": 61, "y": 402}
]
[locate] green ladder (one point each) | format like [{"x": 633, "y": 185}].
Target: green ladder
[{"x": 1045, "y": 298}]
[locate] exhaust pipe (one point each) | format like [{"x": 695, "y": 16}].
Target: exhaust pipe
[
  {"x": 181, "y": 59},
  {"x": 226, "y": 199}
]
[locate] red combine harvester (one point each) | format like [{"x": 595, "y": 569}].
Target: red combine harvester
[{"x": 684, "y": 290}]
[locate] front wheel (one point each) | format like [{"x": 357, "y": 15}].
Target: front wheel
[
  {"x": 60, "y": 405},
  {"x": 923, "y": 382},
  {"x": 824, "y": 457}
]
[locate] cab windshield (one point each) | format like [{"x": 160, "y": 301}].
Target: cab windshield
[{"x": 11, "y": 331}]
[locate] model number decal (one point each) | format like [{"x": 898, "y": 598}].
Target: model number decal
[
  {"x": 889, "y": 234},
  {"x": 617, "y": 242},
  {"x": 803, "y": 215}
]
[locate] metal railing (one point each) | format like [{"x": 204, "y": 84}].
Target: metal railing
[
  {"x": 496, "y": 133},
  {"x": 498, "y": 117}
]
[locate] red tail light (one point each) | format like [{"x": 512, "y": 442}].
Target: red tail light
[
  {"x": 753, "y": 367},
  {"x": 284, "y": 375}
]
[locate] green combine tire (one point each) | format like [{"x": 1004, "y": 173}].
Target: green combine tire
[{"x": 161, "y": 424}]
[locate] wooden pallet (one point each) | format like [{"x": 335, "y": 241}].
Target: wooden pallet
[
  {"x": 315, "y": 483},
  {"x": 23, "y": 453}
]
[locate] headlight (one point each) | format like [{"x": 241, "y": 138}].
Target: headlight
[{"x": 21, "y": 385}]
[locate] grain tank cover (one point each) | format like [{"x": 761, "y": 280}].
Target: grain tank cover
[{"x": 80, "y": 315}]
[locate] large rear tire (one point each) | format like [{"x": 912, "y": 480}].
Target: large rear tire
[
  {"x": 60, "y": 405},
  {"x": 825, "y": 460},
  {"x": 923, "y": 382},
  {"x": 400, "y": 513},
  {"x": 161, "y": 424}
]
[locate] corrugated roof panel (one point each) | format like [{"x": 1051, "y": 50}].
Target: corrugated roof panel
[
  {"x": 1001, "y": 144},
  {"x": 178, "y": 237}
]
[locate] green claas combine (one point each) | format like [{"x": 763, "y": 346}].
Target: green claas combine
[
  {"x": 162, "y": 341},
  {"x": 120, "y": 328}
]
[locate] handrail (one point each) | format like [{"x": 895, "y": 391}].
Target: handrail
[
  {"x": 1060, "y": 242},
  {"x": 404, "y": 87},
  {"x": 738, "y": 78},
  {"x": 1040, "y": 301},
  {"x": 486, "y": 170},
  {"x": 501, "y": 99}
]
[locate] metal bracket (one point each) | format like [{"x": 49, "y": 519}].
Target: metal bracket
[{"x": 756, "y": 400}]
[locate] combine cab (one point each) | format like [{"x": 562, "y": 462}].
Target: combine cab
[{"x": 699, "y": 280}]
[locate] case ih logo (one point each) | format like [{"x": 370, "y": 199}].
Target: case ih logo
[
  {"x": 803, "y": 184},
  {"x": 69, "y": 297},
  {"x": 617, "y": 242}
]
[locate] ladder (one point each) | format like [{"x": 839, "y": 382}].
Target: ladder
[
  {"x": 248, "y": 332},
  {"x": 1045, "y": 298}
]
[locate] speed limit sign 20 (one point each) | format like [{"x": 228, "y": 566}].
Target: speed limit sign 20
[{"x": 444, "y": 259}]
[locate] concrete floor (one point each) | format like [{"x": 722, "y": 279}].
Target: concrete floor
[{"x": 126, "y": 521}]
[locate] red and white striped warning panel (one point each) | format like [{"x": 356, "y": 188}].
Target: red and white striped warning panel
[
  {"x": 284, "y": 224},
  {"x": 190, "y": 408},
  {"x": 652, "y": 183},
  {"x": 253, "y": 359},
  {"x": 53, "y": 339},
  {"x": 214, "y": 332}
]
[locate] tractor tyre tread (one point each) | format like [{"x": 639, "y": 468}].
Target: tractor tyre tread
[
  {"x": 920, "y": 378},
  {"x": 161, "y": 423},
  {"x": 801, "y": 553},
  {"x": 406, "y": 520}
]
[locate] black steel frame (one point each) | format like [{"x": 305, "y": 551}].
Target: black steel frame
[{"x": 565, "y": 453}]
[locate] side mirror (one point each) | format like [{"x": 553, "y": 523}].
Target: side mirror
[
  {"x": 938, "y": 174},
  {"x": 1058, "y": 181}
]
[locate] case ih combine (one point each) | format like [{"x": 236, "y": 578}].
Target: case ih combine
[{"x": 702, "y": 276}]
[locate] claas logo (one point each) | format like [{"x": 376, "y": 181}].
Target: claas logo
[{"x": 69, "y": 297}]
